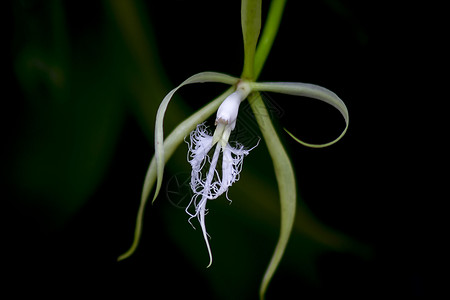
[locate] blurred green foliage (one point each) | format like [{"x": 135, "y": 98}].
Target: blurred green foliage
[{"x": 73, "y": 111}]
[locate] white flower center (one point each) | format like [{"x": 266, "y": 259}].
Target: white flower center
[
  {"x": 227, "y": 114},
  {"x": 201, "y": 143}
]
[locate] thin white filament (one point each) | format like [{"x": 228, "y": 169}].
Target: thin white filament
[
  {"x": 214, "y": 185},
  {"x": 200, "y": 209}
]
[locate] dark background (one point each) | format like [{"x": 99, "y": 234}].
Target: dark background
[{"x": 84, "y": 82}]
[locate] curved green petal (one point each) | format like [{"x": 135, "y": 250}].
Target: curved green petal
[
  {"x": 159, "y": 133},
  {"x": 175, "y": 138},
  {"x": 286, "y": 185},
  {"x": 310, "y": 91}
]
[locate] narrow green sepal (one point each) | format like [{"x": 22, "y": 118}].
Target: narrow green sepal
[
  {"x": 311, "y": 91},
  {"x": 170, "y": 144}
]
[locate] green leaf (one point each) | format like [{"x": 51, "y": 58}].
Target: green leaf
[
  {"x": 159, "y": 133},
  {"x": 175, "y": 138},
  {"x": 286, "y": 185},
  {"x": 311, "y": 91}
]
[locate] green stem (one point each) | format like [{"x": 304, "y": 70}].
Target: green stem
[
  {"x": 251, "y": 26},
  {"x": 282, "y": 166},
  {"x": 268, "y": 35}
]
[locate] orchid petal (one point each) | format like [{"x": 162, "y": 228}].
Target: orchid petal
[
  {"x": 159, "y": 133},
  {"x": 310, "y": 91},
  {"x": 286, "y": 185},
  {"x": 175, "y": 138}
]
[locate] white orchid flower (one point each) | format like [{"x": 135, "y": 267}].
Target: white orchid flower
[
  {"x": 201, "y": 143},
  {"x": 216, "y": 181}
]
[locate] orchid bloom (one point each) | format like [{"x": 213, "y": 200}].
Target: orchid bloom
[
  {"x": 216, "y": 181},
  {"x": 232, "y": 158}
]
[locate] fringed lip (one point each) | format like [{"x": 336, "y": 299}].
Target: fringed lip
[{"x": 210, "y": 184}]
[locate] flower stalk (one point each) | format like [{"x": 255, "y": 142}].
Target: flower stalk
[{"x": 251, "y": 26}]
